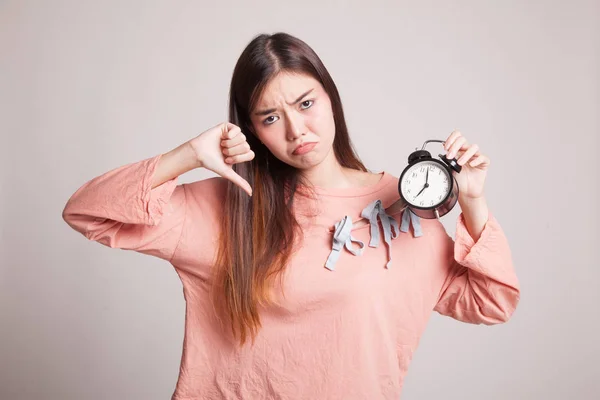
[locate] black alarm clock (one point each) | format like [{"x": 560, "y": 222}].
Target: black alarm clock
[{"x": 427, "y": 184}]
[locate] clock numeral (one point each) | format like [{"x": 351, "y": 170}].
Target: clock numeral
[
  {"x": 421, "y": 203},
  {"x": 414, "y": 174},
  {"x": 408, "y": 181},
  {"x": 422, "y": 169},
  {"x": 407, "y": 190}
]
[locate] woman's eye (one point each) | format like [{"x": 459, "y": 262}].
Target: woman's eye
[
  {"x": 267, "y": 120},
  {"x": 304, "y": 105},
  {"x": 307, "y": 106}
]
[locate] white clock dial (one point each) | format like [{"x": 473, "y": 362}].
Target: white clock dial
[{"x": 413, "y": 184}]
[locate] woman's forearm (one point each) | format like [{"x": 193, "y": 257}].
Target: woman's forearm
[{"x": 174, "y": 163}]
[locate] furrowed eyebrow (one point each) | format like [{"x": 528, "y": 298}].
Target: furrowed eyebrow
[{"x": 270, "y": 110}]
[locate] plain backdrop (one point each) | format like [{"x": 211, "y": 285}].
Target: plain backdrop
[{"x": 88, "y": 86}]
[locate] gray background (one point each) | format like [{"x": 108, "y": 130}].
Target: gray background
[{"x": 89, "y": 86}]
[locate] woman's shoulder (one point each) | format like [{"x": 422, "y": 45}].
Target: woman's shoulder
[
  {"x": 373, "y": 178},
  {"x": 211, "y": 190}
]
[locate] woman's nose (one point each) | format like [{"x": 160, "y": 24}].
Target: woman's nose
[{"x": 295, "y": 126}]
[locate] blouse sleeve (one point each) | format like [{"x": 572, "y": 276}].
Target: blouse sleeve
[
  {"x": 481, "y": 286},
  {"x": 119, "y": 209}
]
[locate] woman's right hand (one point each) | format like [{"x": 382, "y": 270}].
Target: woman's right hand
[{"x": 219, "y": 148}]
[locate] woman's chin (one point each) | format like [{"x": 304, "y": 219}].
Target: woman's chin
[{"x": 307, "y": 163}]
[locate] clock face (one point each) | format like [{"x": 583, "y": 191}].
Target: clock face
[{"x": 417, "y": 193}]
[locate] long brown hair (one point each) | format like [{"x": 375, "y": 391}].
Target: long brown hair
[{"x": 258, "y": 233}]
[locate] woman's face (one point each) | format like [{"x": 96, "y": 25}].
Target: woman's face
[{"x": 294, "y": 110}]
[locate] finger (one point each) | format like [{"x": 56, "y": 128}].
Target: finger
[
  {"x": 468, "y": 154},
  {"x": 238, "y": 180},
  {"x": 453, "y": 136},
  {"x": 460, "y": 153},
  {"x": 480, "y": 161},
  {"x": 240, "y": 158},
  {"x": 236, "y": 150},
  {"x": 456, "y": 146},
  {"x": 229, "y": 131},
  {"x": 241, "y": 138}
]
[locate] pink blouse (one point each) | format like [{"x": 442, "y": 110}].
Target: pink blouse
[{"x": 347, "y": 330}]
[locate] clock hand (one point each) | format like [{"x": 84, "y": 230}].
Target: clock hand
[{"x": 426, "y": 185}]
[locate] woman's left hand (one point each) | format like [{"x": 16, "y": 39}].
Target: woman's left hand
[{"x": 474, "y": 166}]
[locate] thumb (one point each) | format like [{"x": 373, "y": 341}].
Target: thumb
[{"x": 231, "y": 175}]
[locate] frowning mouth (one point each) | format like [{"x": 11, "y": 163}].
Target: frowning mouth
[{"x": 304, "y": 148}]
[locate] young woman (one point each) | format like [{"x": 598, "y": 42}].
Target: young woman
[{"x": 284, "y": 298}]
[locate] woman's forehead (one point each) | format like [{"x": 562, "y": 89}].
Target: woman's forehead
[{"x": 287, "y": 85}]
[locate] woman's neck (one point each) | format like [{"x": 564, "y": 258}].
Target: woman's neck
[{"x": 330, "y": 174}]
